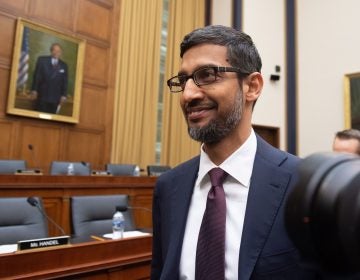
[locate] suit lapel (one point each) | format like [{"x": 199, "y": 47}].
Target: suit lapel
[
  {"x": 183, "y": 185},
  {"x": 267, "y": 189}
]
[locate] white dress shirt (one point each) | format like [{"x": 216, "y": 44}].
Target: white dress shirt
[{"x": 239, "y": 166}]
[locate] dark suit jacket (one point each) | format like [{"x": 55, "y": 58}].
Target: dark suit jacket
[
  {"x": 266, "y": 251},
  {"x": 50, "y": 82}
]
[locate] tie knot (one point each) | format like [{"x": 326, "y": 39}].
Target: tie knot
[{"x": 217, "y": 176}]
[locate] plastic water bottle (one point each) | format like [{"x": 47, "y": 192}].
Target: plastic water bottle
[
  {"x": 70, "y": 169},
  {"x": 118, "y": 223},
  {"x": 137, "y": 171}
]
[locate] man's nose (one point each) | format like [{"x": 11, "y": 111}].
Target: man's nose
[{"x": 191, "y": 91}]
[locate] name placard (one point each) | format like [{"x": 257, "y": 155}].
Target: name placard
[
  {"x": 43, "y": 242},
  {"x": 28, "y": 172},
  {"x": 100, "y": 173}
]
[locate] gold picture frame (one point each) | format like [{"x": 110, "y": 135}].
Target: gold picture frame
[
  {"x": 41, "y": 87},
  {"x": 352, "y": 100}
]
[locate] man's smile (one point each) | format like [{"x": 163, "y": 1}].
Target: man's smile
[{"x": 194, "y": 113}]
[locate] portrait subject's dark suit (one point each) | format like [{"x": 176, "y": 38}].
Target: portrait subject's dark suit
[
  {"x": 266, "y": 251},
  {"x": 50, "y": 82}
]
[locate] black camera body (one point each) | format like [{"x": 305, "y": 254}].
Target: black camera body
[{"x": 322, "y": 213}]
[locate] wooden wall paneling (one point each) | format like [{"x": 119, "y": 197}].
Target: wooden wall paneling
[
  {"x": 65, "y": 221},
  {"x": 99, "y": 190},
  {"x": 7, "y": 35},
  {"x": 5, "y": 140},
  {"x": 94, "y": 20},
  {"x": 138, "y": 271},
  {"x": 92, "y": 112},
  {"x": 97, "y": 22},
  {"x": 91, "y": 143},
  {"x": 60, "y": 12},
  {"x": 53, "y": 208},
  {"x": 18, "y": 6},
  {"x": 45, "y": 141},
  {"x": 142, "y": 216},
  {"x": 96, "y": 65},
  {"x": 112, "y": 80},
  {"x": 4, "y": 89}
]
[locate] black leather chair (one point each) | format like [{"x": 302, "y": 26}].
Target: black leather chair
[
  {"x": 10, "y": 166},
  {"x": 120, "y": 169},
  {"x": 61, "y": 168},
  {"x": 21, "y": 221},
  {"x": 92, "y": 215},
  {"x": 157, "y": 170}
]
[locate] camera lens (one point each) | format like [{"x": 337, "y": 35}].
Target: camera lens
[{"x": 323, "y": 212}]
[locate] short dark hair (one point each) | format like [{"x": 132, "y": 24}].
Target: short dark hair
[
  {"x": 350, "y": 134},
  {"x": 241, "y": 50},
  {"x": 53, "y": 45}
]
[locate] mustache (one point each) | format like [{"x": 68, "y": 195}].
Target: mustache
[{"x": 199, "y": 104}]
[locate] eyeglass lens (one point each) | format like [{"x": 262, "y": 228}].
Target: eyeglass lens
[{"x": 203, "y": 76}]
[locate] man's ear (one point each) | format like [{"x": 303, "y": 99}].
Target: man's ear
[{"x": 254, "y": 83}]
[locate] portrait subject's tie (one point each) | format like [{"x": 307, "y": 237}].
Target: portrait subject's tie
[{"x": 210, "y": 251}]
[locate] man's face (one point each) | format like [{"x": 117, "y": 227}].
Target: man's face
[
  {"x": 346, "y": 145},
  {"x": 211, "y": 111},
  {"x": 56, "y": 51}
]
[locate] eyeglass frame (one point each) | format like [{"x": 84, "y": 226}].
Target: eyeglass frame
[{"x": 217, "y": 69}]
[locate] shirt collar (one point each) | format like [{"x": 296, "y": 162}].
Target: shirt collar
[{"x": 238, "y": 165}]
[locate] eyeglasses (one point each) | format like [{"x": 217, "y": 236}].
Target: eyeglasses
[{"x": 203, "y": 76}]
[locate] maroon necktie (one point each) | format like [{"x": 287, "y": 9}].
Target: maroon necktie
[{"x": 210, "y": 252}]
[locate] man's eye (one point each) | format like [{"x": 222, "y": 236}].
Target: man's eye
[{"x": 206, "y": 75}]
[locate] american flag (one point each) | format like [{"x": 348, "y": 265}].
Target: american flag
[{"x": 24, "y": 60}]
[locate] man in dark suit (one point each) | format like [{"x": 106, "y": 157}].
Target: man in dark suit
[
  {"x": 219, "y": 82},
  {"x": 50, "y": 81}
]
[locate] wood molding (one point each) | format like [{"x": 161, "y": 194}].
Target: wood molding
[
  {"x": 271, "y": 134},
  {"x": 112, "y": 259}
]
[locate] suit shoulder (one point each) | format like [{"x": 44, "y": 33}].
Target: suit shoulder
[{"x": 275, "y": 155}]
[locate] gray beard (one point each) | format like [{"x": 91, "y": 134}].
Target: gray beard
[{"x": 219, "y": 128}]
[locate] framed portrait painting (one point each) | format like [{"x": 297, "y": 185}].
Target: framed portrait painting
[
  {"x": 352, "y": 100},
  {"x": 46, "y": 73}
]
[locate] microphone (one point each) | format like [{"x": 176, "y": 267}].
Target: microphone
[
  {"x": 33, "y": 202},
  {"x": 125, "y": 208},
  {"x": 33, "y": 155},
  {"x": 36, "y": 168}
]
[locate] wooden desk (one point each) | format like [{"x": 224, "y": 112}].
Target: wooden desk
[
  {"x": 57, "y": 190},
  {"x": 127, "y": 259}
]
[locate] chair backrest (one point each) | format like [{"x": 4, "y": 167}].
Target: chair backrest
[
  {"x": 21, "y": 221},
  {"x": 92, "y": 215},
  {"x": 120, "y": 169},
  {"x": 10, "y": 166},
  {"x": 61, "y": 168},
  {"x": 157, "y": 170}
]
